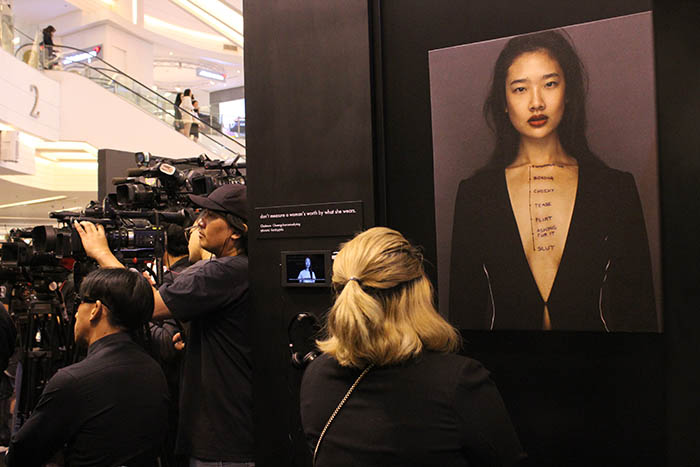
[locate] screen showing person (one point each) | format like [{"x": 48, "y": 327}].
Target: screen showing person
[
  {"x": 548, "y": 230},
  {"x": 306, "y": 268}
]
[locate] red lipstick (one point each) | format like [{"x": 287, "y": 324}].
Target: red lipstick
[{"x": 538, "y": 120}]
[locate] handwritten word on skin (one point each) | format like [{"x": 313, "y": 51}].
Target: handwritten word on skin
[{"x": 544, "y": 227}]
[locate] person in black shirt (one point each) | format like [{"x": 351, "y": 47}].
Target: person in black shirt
[
  {"x": 409, "y": 401},
  {"x": 47, "y": 42},
  {"x": 216, "y": 421},
  {"x": 175, "y": 261},
  {"x": 110, "y": 409}
]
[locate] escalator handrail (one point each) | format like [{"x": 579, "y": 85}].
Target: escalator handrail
[
  {"x": 116, "y": 70},
  {"x": 111, "y": 79},
  {"x": 157, "y": 106}
]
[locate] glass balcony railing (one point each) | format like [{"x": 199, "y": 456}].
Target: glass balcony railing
[{"x": 86, "y": 63}]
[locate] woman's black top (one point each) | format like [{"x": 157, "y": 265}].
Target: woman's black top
[
  {"x": 437, "y": 409},
  {"x": 604, "y": 281},
  {"x": 48, "y": 39}
]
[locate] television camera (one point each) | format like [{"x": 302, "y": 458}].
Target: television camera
[
  {"x": 157, "y": 183},
  {"x": 41, "y": 268}
]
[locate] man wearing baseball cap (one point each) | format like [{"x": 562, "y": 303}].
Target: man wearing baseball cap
[{"x": 216, "y": 422}]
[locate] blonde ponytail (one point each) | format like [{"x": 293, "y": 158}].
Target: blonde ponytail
[{"x": 384, "y": 311}]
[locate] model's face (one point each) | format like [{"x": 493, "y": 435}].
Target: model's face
[
  {"x": 307, "y": 263},
  {"x": 214, "y": 232},
  {"x": 535, "y": 95}
]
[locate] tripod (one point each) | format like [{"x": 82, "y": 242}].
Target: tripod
[{"x": 45, "y": 346}]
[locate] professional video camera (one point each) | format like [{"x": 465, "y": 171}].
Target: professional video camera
[
  {"x": 157, "y": 183},
  {"x": 40, "y": 272}
]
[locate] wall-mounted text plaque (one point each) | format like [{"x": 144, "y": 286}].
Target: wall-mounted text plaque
[{"x": 309, "y": 220}]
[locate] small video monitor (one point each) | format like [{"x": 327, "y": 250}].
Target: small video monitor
[{"x": 310, "y": 268}]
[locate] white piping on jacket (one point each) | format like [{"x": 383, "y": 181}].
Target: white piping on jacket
[
  {"x": 600, "y": 295},
  {"x": 493, "y": 304}
]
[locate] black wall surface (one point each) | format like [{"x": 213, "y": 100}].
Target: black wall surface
[
  {"x": 575, "y": 398},
  {"x": 309, "y": 140},
  {"x": 677, "y": 36},
  {"x": 319, "y": 73},
  {"x": 111, "y": 163}
]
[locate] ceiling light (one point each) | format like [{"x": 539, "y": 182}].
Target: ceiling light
[
  {"x": 67, "y": 164},
  {"x": 159, "y": 23},
  {"x": 64, "y": 147},
  {"x": 220, "y": 62},
  {"x": 33, "y": 201},
  {"x": 135, "y": 11},
  {"x": 222, "y": 11},
  {"x": 16, "y": 40},
  {"x": 66, "y": 155},
  {"x": 217, "y": 15},
  {"x": 170, "y": 53},
  {"x": 210, "y": 74}
]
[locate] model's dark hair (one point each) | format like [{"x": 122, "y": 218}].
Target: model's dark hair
[
  {"x": 188, "y": 92},
  {"x": 127, "y": 295},
  {"x": 572, "y": 129}
]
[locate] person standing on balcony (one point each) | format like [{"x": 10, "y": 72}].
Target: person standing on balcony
[
  {"x": 187, "y": 118},
  {"x": 48, "y": 44}
]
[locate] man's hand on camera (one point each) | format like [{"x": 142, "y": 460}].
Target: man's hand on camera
[{"x": 95, "y": 244}]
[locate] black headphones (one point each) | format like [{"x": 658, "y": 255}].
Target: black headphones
[{"x": 301, "y": 332}]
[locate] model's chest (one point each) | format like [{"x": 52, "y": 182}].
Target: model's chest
[{"x": 542, "y": 200}]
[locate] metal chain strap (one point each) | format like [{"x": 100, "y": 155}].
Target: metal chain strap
[{"x": 337, "y": 409}]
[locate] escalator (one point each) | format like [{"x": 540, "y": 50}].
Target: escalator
[{"x": 87, "y": 64}]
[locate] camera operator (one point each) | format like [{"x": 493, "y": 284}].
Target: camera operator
[
  {"x": 175, "y": 260},
  {"x": 216, "y": 396},
  {"x": 111, "y": 408}
]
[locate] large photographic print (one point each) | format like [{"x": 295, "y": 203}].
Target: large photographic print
[{"x": 546, "y": 184}]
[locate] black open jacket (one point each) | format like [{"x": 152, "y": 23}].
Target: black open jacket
[{"x": 604, "y": 281}]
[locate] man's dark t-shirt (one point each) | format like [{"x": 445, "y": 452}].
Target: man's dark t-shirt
[
  {"x": 109, "y": 409},
  {"x": 216, "y": 399}
]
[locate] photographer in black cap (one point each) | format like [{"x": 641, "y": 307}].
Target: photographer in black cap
[
  {"x": 216, "y": 423},
  {"x": 109, "y": 409}
]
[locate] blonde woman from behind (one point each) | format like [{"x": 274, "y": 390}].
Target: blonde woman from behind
[{"x": 388, "y": 389}]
